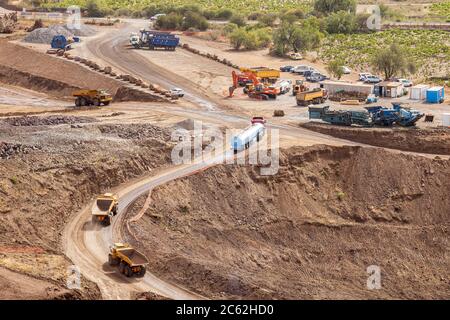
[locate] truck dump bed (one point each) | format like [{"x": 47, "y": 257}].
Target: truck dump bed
[
  {"x": 102, "y": 207},
  {"x": 136, "y": 258}
]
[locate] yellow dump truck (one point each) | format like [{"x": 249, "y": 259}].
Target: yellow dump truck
[
  {"x": 105, "y": 208},
  {"x": 131, "y": 262},
  {"x": 263, "y": 73},
  {"x": 314, "y": 96},
  {"x": 91, "y": 97}
]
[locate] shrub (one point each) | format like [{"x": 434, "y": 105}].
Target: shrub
[
  {"x": 268, "y": 19},
  {"x": 326, "y": 7},
  {"x": 93, "y": 10},
  {"x": 238, "y": 37},
  {"x": 224, "y": 14},
  {"x": 194, "y": 20},
  {"x": 254, "y": 16},
  {"x": 341, "y": 22},
  {"x": 229, "y": 28},
  {"x": 123, "y": 12},
  {"x": 171, "y": 21},
  {"x": 238, "y": 19}
]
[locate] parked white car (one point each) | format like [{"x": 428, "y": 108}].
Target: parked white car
[
  {"x": 295, "y": 56},
  {"x": 363, "y": 76},
  {"x": 301, "y": 69},
  {"x": 346, "y": 70},
  {"x": 406, "y": 82},
  {"x": 177, "y": 92}
]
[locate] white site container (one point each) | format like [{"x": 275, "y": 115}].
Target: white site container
[
  {"x": 418, "y": 92},
  {"x": 446, "y": 119}
]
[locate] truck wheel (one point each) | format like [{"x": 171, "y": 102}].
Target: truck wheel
[
  {"x": 141, "y": 272},
  {"x": 112, "y": 261},
  {"x": 107, "y": 221},
  {"x": 106, "y": 103},
  {"x": 96, "y": 102},
  {"x": 122, "y": 267},
  {"x": 78, "y": 102},
  {"x": 128, "y": 271},
  {"x": 83, "y": 102}
]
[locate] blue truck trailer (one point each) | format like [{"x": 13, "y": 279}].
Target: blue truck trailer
[{"x": 155, "y": 39}]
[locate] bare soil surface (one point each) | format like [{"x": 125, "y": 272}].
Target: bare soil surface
[
  {"x": 308, "y": 232},
  {"x": 425, "y": 140},
  {"x": 29, "y": 61},
  {"x": 50, "y": 167}
]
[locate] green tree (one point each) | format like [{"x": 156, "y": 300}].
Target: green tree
[
  {"x": 391, "y": 61},
  {"x": 326, "y": 7},
  {"x": 335, "y": 68},
  {"x": 341, "y": 22},
  {"x": 290, "y": 37},
  {"x": 238, "y": 37}
]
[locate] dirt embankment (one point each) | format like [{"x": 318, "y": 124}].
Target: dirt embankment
[
  {"x": 311, "y": 231},
  {"x": 433, "y": 141},
  {"x": 49, "y": 172},
  {"x": 40, "y": 72}
]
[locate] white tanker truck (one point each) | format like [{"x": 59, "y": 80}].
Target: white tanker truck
[{"x": 251, "y": 134}]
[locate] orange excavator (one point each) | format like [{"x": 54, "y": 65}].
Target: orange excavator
[{"x": 254, "y": 89}]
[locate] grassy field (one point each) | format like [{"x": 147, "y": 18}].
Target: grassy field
[
  {"x": 441, "y": 9},
  {"x": 429, "y": 49},
  {"x": 243, "y": 6}
]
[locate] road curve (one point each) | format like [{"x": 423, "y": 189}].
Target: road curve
[{"x": 87, "y": 244}]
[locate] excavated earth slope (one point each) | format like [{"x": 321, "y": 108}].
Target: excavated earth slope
[
  {"x": 311, "y": 231},
  {"x": 50, "y": 166}
]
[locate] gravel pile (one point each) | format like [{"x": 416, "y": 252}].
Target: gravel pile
[
  {"x": 45, "y": 35},
  {"x": 135, "y": 131},
  {"x": 46, "y": 121},
  {"x": 7, "y": 150}
]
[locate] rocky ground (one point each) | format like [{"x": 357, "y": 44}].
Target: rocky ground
[
  {"x": 50, "y": 167},
  {"x": 308, "y": 232}
]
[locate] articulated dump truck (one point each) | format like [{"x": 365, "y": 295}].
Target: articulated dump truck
[
  {"x": 105, "y": 208},
  {"x": 131, "y": 262}
]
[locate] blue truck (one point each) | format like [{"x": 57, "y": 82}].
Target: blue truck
[{"x": 155, "y": 39}]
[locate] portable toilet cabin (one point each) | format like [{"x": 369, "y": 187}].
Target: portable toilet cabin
[
  {"x": 418, "y": 92},
  {"x": 435, "y": 95}
]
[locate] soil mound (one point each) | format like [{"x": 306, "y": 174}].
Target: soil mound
[
  {"x": 46, "y": 121},
  {"x": 310, "y": 231},
  {"x": 434, "y": 141}
]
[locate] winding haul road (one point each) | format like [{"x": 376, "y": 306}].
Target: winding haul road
[{"x": 87, "y": 244}]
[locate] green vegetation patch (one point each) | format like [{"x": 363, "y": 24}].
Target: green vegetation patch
[
  {"x": 244, "y": 7},
  {"x": 441, "y": 9},
  {"x": 424, "y": 47}
]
